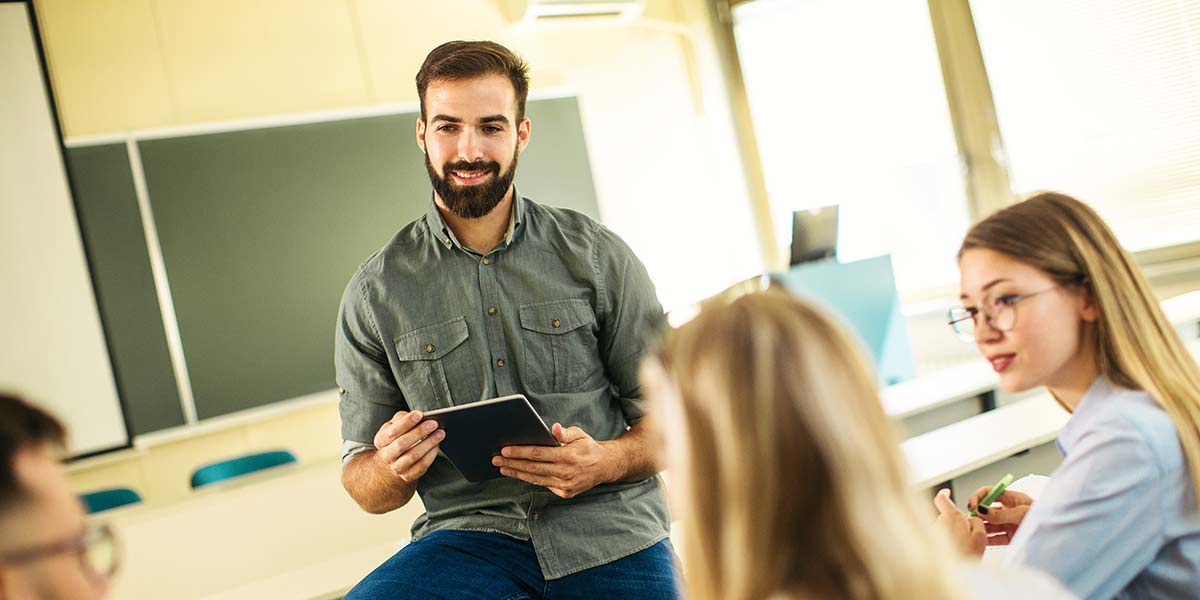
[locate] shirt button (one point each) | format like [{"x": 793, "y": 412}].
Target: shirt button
[
  {"x": 536, "y": 516},
  {"x": 500, "y": 362},
  {"x": 491, "y": 311},
  {"x": 486, "y": 261},
  {"x": 556, "y": 323},
  {"x": 429, "y": 348}
]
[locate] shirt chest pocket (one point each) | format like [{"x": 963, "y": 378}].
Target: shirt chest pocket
[
  {"x": 559, "y": 340},
  {"x": 436, "y": 366}
]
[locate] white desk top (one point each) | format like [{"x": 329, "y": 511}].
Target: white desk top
[
  {"x": 326, "y": 580},
  {"x": 976, "y": 442},
  {"x": 928, "y": 392}
]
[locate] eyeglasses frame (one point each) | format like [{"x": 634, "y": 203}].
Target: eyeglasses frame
[{"x": 972, "y": 313}]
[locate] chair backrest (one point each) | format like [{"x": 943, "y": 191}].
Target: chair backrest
[
  {"x": 242, "y": 465},
  {"x": 100, "y": 500}
]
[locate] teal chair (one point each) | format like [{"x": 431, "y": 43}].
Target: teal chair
[
  {"x": 101, "y": 500},
  {"x": 242, "y": 465}
]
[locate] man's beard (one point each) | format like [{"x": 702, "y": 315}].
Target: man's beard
[{"x": 472, "y": 201}]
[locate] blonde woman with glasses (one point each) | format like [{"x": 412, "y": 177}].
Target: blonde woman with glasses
[
  {"x": 1052, "y": 299},
  {"x": 786, "y": 473}
]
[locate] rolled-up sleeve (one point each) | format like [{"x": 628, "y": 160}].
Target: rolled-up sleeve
[
  {"x": 369, "y": 394},
  {"x": 629, "y": 311},
  {"x": 1098, "y": 524}
]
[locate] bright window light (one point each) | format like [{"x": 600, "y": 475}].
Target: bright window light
[
  {"x": 849, "y": 108},
  {"x": 1100, "y": 99}
]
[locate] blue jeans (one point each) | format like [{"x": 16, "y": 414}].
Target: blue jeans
[{"x": 493, "y": 566}]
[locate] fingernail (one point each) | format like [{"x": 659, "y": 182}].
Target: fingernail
[
  {"x": 430, "y": 426},
  {"x": 983, "y": 510},
  {"x": 505, "y": 471},
  {"x": 505, "y": 452},
  {"x": 415, "y": 416},
  {"x": 497, "y": 461},
  {"x": 440, "y": 434}
]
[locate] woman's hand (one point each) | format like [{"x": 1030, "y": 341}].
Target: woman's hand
[
  {"x": 1001, "y": 521},
  {"x": 967, "y": 533}
]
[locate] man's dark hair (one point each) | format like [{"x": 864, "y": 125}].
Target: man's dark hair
[
  {"x": 467, "y": 60},
  {"x": 23, "y": 426}
]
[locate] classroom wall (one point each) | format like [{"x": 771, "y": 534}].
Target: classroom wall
[{"x": 650, "y": 94}]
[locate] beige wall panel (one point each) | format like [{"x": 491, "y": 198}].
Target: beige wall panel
[
  {"x": 124, "y": 473},
  {"x": 657, "y": 156},
  {"x": 168, "y": 468},
  {"x": 231, "y": 59},
  {"x": 106, "y": 65},
  {"x": 396, "y": 36},
  {"x": 311, "y": 434}
]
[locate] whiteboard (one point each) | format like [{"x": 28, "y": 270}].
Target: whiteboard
[{"x": 52, "y": 348}]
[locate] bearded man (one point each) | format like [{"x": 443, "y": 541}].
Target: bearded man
[{"x": 491, "y": 294}]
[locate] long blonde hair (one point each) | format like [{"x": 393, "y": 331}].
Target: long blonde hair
[
  {"x": 794, "y": 483},
  {"x": 1137, "y": 347}
]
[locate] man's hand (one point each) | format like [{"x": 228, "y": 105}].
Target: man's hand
[
  {"x": 1002, "y": 522},
  {"x": 967, "y": 533},
  {"x": 405, "y": 448},
  {"x": 580, "y": 464}
]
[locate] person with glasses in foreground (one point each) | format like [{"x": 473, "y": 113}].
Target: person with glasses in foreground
[
  {"x": 47, "y": 550},
  {"x": 787, "y": 474},
  {"x": 1052, "y": 299}
]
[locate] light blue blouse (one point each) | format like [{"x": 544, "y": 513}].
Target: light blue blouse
[{"x": 1118, "y": 518}]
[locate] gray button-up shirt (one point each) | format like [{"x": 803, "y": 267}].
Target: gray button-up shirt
[
  {"x": 557, "y": 311},
  {"x": 1118, "y": 518}
]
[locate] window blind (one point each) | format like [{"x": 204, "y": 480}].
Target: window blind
[{"x": 1100, "y": 99}]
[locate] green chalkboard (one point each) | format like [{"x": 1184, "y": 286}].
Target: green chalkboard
[
  {"x": 261, "y": 229},
  {"x": 107, "y": 209}
]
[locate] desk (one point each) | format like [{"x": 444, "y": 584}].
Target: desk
[
  {"x": 937, "y": 389},
  {"x": 946, "y": 453},
  {"x": 954, "y": 450},
  {"x": 326, "y": 580},
  {"x": 288, "y": 533}
]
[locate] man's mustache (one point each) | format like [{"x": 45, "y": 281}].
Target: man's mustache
[{"x": 481, "y": 165}]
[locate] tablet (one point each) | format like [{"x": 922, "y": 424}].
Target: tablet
[{"x": 477, "y": 431}]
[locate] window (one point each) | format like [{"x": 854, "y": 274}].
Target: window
[
  {"x": 1100, "y": 99},
  {"x": 849, "y": 108}
]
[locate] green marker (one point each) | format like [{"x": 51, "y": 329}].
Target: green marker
[{"x": 992, "y": 495}]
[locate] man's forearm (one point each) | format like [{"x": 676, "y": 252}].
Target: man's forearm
[
  {"x": 633, "y": 457},
  {"x": 373, "y": 486}
]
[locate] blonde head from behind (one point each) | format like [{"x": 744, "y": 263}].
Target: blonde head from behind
[{"x": 792, "y": 483}]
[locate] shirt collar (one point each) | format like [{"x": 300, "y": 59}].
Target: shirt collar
[
  {"x": 445, "y": 236},
  {"x": 437, "y": 225},
  {"x": 518, "y": 216}
]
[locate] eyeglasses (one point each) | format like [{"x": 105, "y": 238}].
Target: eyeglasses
[
  {"x": 999, "y": 312},
  {"x": 96, "y": 546}
]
